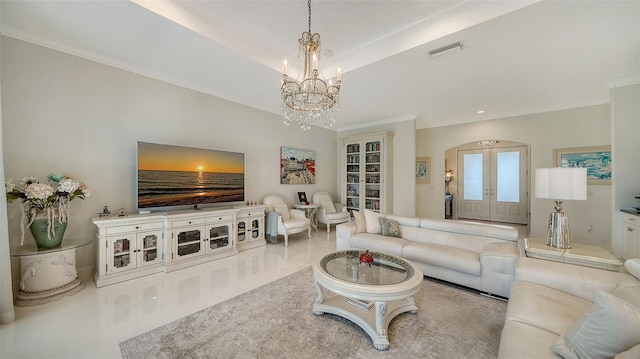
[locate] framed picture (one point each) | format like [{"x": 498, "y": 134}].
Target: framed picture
[
  {"x": 423, "y": 170},
  {"x": 302, "y": 197},
  {"x": 597, "y": 161},
  {"x": 297, "y": 166}
]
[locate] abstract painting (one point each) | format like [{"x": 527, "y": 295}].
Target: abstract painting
[{"x": 596, "y": 159}]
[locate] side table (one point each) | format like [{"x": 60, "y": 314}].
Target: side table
[
  {"x": 310, "y": 211},
  {"x": 48, "y": 275},
  {"x": 579, "y": 254}
]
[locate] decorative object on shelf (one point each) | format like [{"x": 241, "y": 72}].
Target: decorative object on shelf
[
  {"x": 448, "y": 177},
  {"x": 423, "y": 170},
  {"x": 105, "y": 212},
  {"x": 122, "y": 212},
  {"x": 560, "y": 184},
  {"x": 45, "y": 207},
  {"x": 488, "y": 142},
  {"x": 302, "y": 198},
  {"x": 366, "y": 258},
  {"x": 297, "y": 166},
  {"x": 596, "y": 159},
  {"x": 310, "y": 101}
]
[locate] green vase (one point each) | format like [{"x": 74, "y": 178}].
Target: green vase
[{"x": 44, "y": 239}]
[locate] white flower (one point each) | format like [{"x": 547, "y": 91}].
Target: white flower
[
  {"x": 26, "y": 181},
  {"x": 68, "y": 185},
  {"x": 8, "y": 185},
  {"x": 85, "y": 191},
  {"x": 38, "y": 191}
]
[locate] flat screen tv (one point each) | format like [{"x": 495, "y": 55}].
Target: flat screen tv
[{"x": 173, "y": 176}]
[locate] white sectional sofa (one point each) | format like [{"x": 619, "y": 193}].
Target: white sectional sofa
[
  {"x": 559, "y": 310},
  {"x": 479, "y": 256}
]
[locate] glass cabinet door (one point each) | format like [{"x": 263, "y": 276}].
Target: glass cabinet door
[
  {"x": 255, "y": 228},
  {"x": 150, "y": 245},
  {"x": 353, "y": 176},
  {"x": 242, "y": 231},
  {"x": 120, "y": 254},
  {"x": 218, "y": 237},
  {"x": 188, "y": 243},
  {"x": 372, "y": 175}
]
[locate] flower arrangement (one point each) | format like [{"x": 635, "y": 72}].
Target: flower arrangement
[{"x": 52, "y": 199}]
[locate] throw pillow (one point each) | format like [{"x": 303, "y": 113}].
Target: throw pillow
[
  {"x": 328, "y": 207},
  {"x": 283, "y": 210},
  {"x": 389, "y": 227},
  {"x": 361, "y": 225},
  {"x": 372, "y": 219},
  {"x": 610, "y": 327}
]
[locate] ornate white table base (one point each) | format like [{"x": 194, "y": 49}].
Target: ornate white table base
[
  {"x": 310, "y": 212},
  {"x": 48, "y": 277},
  {"x": 373, "y": 320}
]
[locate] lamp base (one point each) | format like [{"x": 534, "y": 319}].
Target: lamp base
[{"x": 558, "y": 232}]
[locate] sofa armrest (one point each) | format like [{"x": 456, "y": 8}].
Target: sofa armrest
[
  {"x": 576, "y": 280},
  {"x": 344, "y": 231}
]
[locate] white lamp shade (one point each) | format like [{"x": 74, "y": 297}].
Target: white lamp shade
[{"x": 561, "y": 183}]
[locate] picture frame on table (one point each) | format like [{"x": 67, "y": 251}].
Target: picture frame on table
[
  {"x": 596, "y": 159},
  {"x": 302, "y": 197},
  {"x": 423, "y": 170}
]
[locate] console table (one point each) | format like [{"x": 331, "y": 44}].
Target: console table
[
  {"x": 48, "y": 275},
  {"x": 578, "y": 254}
]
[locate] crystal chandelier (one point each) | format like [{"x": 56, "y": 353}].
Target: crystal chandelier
[{"x": 311, "y": 101}]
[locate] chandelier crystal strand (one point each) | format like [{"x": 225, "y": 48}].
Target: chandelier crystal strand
[{"x": 311, "y": 101}]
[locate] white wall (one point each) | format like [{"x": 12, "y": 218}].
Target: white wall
[
  {"x": 403, "y": 162},
  {"x": 69, "y": 115},
  {"x": 625, "y": 145},
  {"x": 578, "y": 127}
]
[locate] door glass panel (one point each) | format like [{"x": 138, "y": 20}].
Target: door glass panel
[
  {"x": 508, "y": 176},
  {"x": 472, "y": 181},
  {"x": 121, "y": 255}
]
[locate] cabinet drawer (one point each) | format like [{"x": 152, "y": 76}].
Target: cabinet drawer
[
  {"x": 631, "y": 219},
  {"x": 187, "y": 222},
  {"x": 256, "y": 213},
  {"x": 134, "y": 228},
  {"x": 220, "y": 218}
]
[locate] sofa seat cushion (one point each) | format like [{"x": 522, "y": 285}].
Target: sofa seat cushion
[
  {"x": 295, "y": 223},
  {"x": 456, "y": 259},
  {"x": 378, "y": 243},
  {"x": 338, "y": 216},
  {"x": 522, "y": 340},
  {"x": 544, "y": 307}
]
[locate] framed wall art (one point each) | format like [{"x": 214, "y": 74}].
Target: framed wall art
[
  {"x": 596, "y": 159},
  {"x": 297, "y": 166},
  {"x": 423, "y": 170}
]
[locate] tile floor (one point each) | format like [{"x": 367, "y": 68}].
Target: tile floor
[{"x": 93, "y": 322}]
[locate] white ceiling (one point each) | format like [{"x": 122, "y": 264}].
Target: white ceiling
[{"x": 519, "y": 57}]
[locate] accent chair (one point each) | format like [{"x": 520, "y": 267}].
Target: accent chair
[
  {"x": 288, "y": 221},
  {"x": 329, "y": 211}
]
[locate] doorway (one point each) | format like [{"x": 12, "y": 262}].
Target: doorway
[{"x": 493, "y": 184}]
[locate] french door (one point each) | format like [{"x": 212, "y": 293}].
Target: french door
[{"x": 492, "y": 184}]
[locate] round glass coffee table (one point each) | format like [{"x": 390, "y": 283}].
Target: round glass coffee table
[{"x": 370, "y": 295}]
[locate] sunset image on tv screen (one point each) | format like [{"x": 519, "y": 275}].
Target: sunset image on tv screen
[{"x": 176, "y": 176}]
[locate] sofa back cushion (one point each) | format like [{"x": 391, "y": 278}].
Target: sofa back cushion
[{"x": 505, "y": 233}]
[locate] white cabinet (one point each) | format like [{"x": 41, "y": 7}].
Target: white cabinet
[
  {"x": 250, "y": 228},
  {"x": 128, "y": 247},
  {"x": 138, "y": 245},
  {"x": 198, "y": 237},
  {"x": 366, "y": 168},
  {"x": 631, "y": 245}
]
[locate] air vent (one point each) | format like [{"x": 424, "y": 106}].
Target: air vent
[{"x": 446, "y": 50}]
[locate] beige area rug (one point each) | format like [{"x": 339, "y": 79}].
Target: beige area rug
[{"x": 276, "y": 321}]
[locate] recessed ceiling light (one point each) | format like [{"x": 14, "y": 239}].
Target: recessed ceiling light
[{"x": 480, "y": 111}]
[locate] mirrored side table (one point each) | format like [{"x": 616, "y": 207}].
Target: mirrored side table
[{"x": 48, "y": 275}]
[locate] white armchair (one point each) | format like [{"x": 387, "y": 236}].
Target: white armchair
[
  {"x": 330, "y": 212},
  {"x": 289, "y": 221}
]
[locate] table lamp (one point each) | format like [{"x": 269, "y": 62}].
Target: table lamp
[{"x": 560, "y": 184}]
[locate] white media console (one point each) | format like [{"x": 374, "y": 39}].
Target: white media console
[{"x": 138, "y": 245}]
